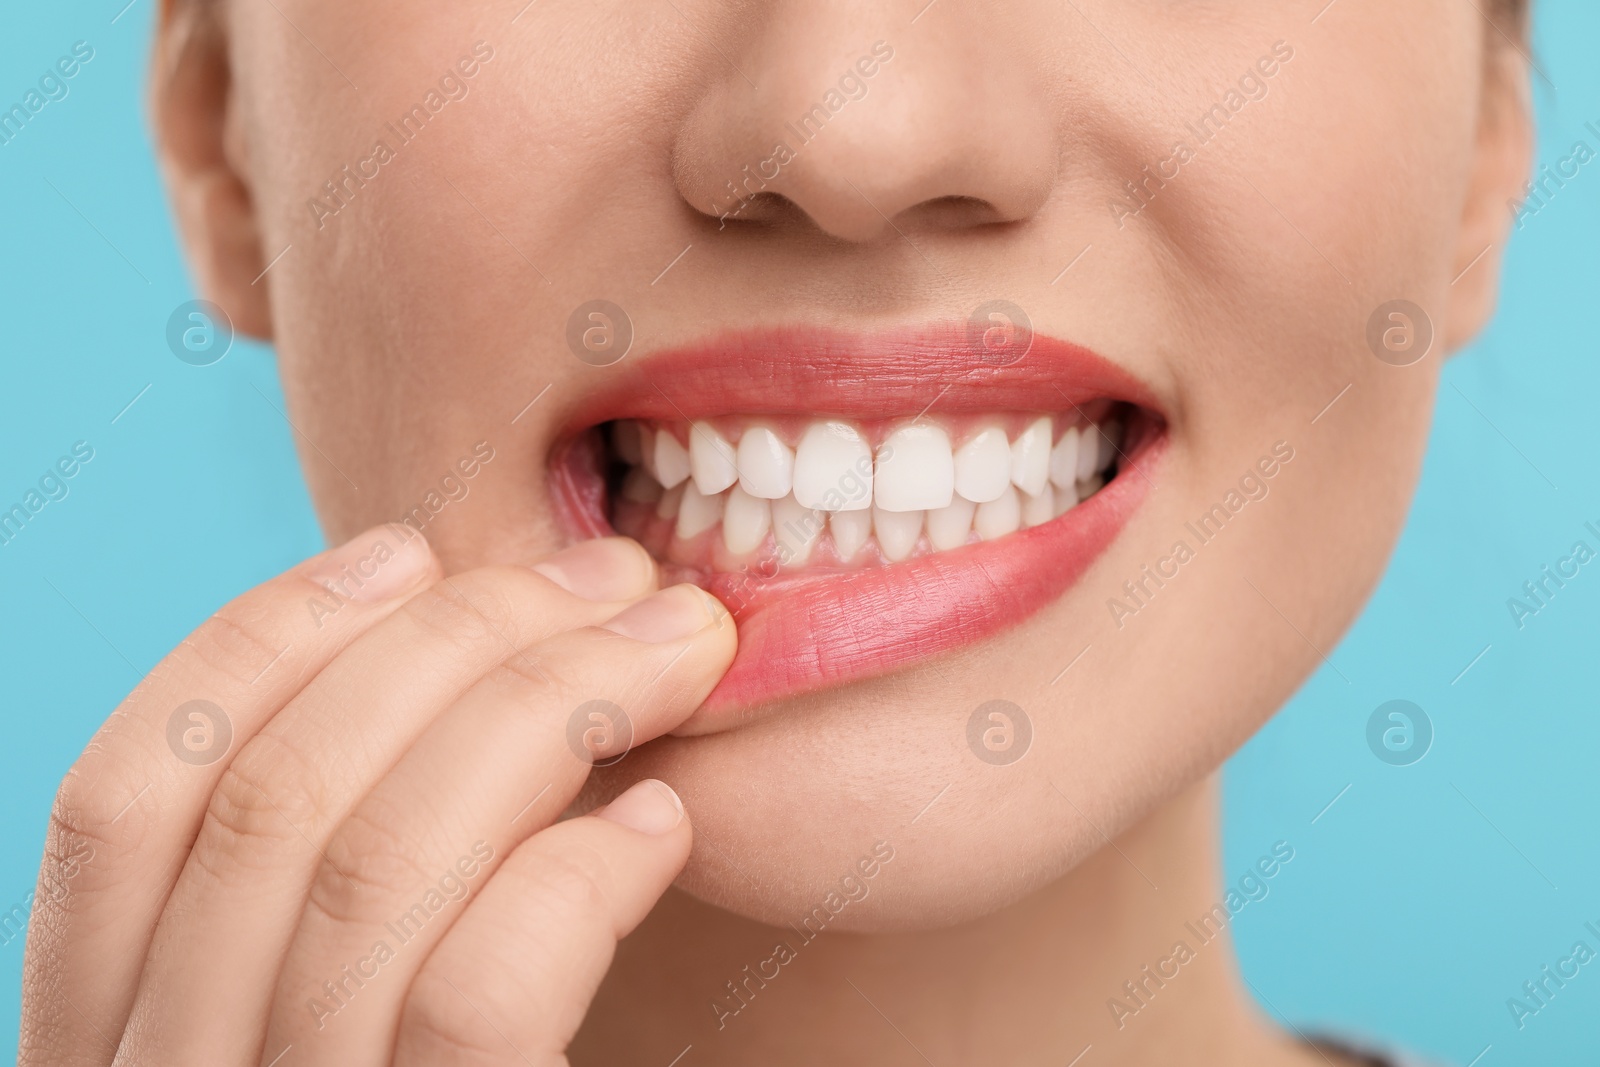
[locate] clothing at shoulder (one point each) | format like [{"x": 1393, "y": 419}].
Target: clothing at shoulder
[{"x": 1366, "y": 1055}]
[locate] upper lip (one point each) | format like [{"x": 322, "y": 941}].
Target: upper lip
[{"x": 822, "y": 370}]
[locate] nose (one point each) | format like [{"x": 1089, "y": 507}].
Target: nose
[{"x": 862, "y": 133}]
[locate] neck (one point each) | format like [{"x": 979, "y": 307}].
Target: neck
[{"x": 1094, "y": 959}]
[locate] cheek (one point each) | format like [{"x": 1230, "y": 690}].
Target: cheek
[
  {"x": 1328, "y": 196},
  {"x": 445, "y": 283}
]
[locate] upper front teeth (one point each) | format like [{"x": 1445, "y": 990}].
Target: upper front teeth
[
  {"x": 916, "y": 470},
  {"x": 829, "y": 454},
  {"x": 766, "y": 465},
  {"x": 833, "y": 482},
  {"x": 1064, "y": 459},
  {"x": 1030, "y": 458},
  {"x": 711, "y": 459},
  {"x": 666, "y": 458},
  {"x": 983, "y": 465}
]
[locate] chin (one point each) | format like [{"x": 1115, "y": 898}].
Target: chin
[
  {"x": 799, "y": 809},
  {"x": 868, "y": 802}
]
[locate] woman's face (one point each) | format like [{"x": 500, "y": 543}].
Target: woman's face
[{"x": 796, "y": 210}]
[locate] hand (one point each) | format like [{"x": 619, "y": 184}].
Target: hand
[{"x": 369, "y": 871}]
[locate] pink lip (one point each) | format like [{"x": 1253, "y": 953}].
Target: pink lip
[{"x": 807, "y": 631}]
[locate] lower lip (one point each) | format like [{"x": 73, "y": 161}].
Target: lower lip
[
  {"x": 806, "y": 632},
  {"x": 809, "y": 631}
]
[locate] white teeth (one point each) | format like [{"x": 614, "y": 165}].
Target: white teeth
[
  {"x": 916, "y": 470},
  {"x": 983, "y": 466},
  {"x": 948, "y": 527},
  {"x": 1064, "y": 461},
  {"x": 711, "y": 459},
  {"x": 1110, "y": 441},
  {"x": 625, "y": 439},
  {"x": 667, "y": 506},
  {"x": 1066, "y": 499},
  {"x": 897, "y": 532},
  {"x": 1088, "y": 451},
  {"x": 1030, "y": 457},
  {"x": 766, "y": 466},
  {"x": 832, "y": 483},
  {"x": 999, "y": 517},
  {"x": 850, "y": 530},
  {"x": 640, "y": 488},
  {"x": 672, "y": 460},
  {"x": 797, "y": 528},
  {"x": 698, "y": 512},
  {"x": 745, "y": 522},
  {"x": 1035, "y": 509},
  {"x": 829, "y": 467}
]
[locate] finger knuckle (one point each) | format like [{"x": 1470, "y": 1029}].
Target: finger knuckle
[
  {"x": 574, "y": 885},
  {"x": 269, "y": 799},
  {"x": 678, "y": 684},
  {"x": 368, "y": 861},
  {"x": 237, "y": 643},
  {"x": 465, "y": 617},
  {"x": 528, "y": 682},
  {"x": 99, "y": 807}
]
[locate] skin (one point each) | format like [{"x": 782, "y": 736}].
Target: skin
[{"x": 430, "y": 310}]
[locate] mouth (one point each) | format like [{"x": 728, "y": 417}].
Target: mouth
[{"x": 860, "y": 504}]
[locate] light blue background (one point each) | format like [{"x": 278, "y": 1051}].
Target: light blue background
[{"x": 1416, "y": 904}]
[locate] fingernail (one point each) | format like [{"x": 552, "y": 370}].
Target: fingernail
[
  {"x": 650, "y": 807},
  {"x": 383, "y": 562},
  {"x": 607, "y": 568},
  {"x": 670, "y": 615}
]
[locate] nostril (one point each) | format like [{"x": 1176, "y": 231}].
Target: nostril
[
  {"x": 764, "y": 208},
  {"x": 952, "y": 213},
  {"x": 777, "y": 211}
]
